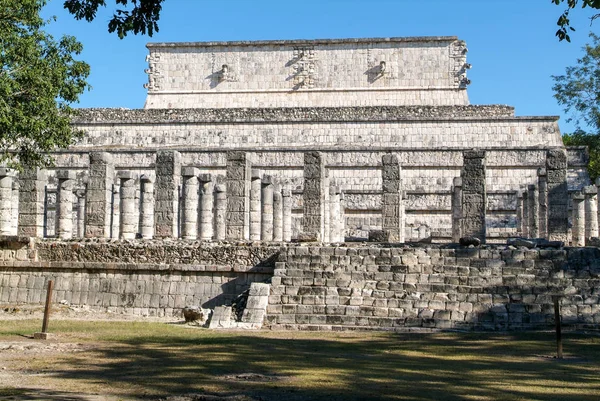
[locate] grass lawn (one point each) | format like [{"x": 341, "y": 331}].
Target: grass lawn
[{"x": 131, "y": 360}]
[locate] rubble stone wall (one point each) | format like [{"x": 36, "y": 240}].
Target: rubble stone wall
[
  {"x": 493, "y": 287},
  {"x": 150, "y": 278}
]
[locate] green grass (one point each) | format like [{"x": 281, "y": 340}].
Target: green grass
[{"x": 131, "y": 359}]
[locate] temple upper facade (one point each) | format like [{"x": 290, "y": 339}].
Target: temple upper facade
[{"x": 308, "y": 73}]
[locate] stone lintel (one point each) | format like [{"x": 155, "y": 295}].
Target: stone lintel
[
  {"x": 189, "y": 172},
  {"x": 65, "y": 175}
]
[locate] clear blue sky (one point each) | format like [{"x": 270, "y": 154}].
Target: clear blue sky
[{"x": 511, "y": 43}]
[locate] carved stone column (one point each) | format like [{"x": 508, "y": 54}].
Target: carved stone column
[
  {"x": 99, "y": 195},
  {"x": 116, "y": 209},
  {"x": 238, "y": 196},
  {"x": 14, "y": 224},
  {"x": 147, "y": 206},
  {"x": 255, "y": 205},
  {"x": 207, "y": 200},
  {"x": 220, "y": 211},
  {"x": 591, "y": 211},
  {"x": 277, "y": 214},
  {"x": 31, "y": 202},
  {"x": 64, "y": 218},
  {"x": 578, "y": 233},
  {"x": 166, "y": 194},
  {"x": 456, "y": 209},
  {"x": 335, "y": 214},
  {"x": 286, "y": 195},
  {"x": 128, "y": 217},
  {"x": 526, "y": 221},
  {"x": 314, "y": 195},
  {"x": 80, "y": 194},
  {"x": 6, "y": 183},
  {"x": 474, "y": 196},
  {"x": 534, "y": 214},
  {"x": 558, "y": 197},
  {"x": 266, "y": 226},
  {"x": 543, "y": 202},
  {"x": 189, "y": 226},
  {"x": 392, "y": 197}
]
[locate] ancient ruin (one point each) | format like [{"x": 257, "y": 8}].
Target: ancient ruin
[{"x": 275, "y": 161}]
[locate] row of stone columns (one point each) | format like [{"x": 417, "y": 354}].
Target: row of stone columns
[
  {"x": 585, "y": 215},
  {"x": 542, "y": 208}
]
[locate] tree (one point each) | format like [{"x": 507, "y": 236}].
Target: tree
[
  {"x": 564, "y": 23},
  {"x": 578, "y": 91},
  {"x": 141, "y": 17},
  {"x": 39, "y": 80}
]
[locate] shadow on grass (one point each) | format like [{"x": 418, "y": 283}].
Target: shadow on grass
[
  {"x": 441, "y": 366},
  {"x": 23, "y": 394}
]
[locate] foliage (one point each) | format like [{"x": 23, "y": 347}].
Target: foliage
[
  {"x": 564, "y": 22},
  {"x": 38, "y": 81},
  {"x": 141, "y": 17},
  {"x": 581, "y": 138},
  {"x": 578, "y": 91}
]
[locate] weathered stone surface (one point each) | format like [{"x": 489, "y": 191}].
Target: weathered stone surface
[
  {"x": 467, "y": 241},
  {"x": 196, "y": 315},
  {"x": 473, "y": 176}
]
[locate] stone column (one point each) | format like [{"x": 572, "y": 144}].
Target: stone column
[
  {"x": 456, "y": 208},
  {"x": 277, "y": 214},
  {"x": 314, "y": 196},
  {"x": 255, "y": 205},
  {"x": 238, "y": 196},
  {"x": 207, "y": 200},
  {"x": 578, "y": 219},
  {"x": 335, "y": 217},
  {"x": 343, "y": 219},
  {"x": 6, "y": 184},
  {"x": 99, "y": 195},
  {"x": 190, "y": 195},
  {"x": 543, "y": 202},
  {"x": 474, "y": 194},
  {"x": 519, "y": 212},
  {"x": 326, "y": 212},
  {"x": 558, "y": 197},
  {"x": 146, "y": 223},
  {"x": 392, "y": 198},
  {"x": 80, "y": 194},
  {"x": 525, "y": 224},
  {"x": 115, "y": 225},
  {"x": 166, "y": 194},
  {"x": 128, "y": 217},
  {"x": 534, "y": 213},
  {"x": 266, "y": 215},
  {"x": 591, "y": 211},
  {"x": 147, "y": 207},
  {"x": 31, "y": 202},
  {"x": 15, "y": 208},
  {"x": 64, "y": 201},
  {"x": 220, "y": 212},
  {"x": 286, "y": 195}
]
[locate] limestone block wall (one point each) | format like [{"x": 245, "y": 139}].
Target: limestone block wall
[
  {"x": 492, "y": 287},
  {"x": 338, "y": 72},
  {"x": 313, "y": 287},
  {"x": 149, "y": 279}
]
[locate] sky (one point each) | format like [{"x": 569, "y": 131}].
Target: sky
[{"x": 511, "y": 43}]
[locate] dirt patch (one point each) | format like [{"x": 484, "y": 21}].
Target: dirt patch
[
  {"x": 207, "y": 397},
  {"x": 254, "y": 377}
]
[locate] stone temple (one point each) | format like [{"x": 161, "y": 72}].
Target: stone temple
[{"x": 274, "y": 161}]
